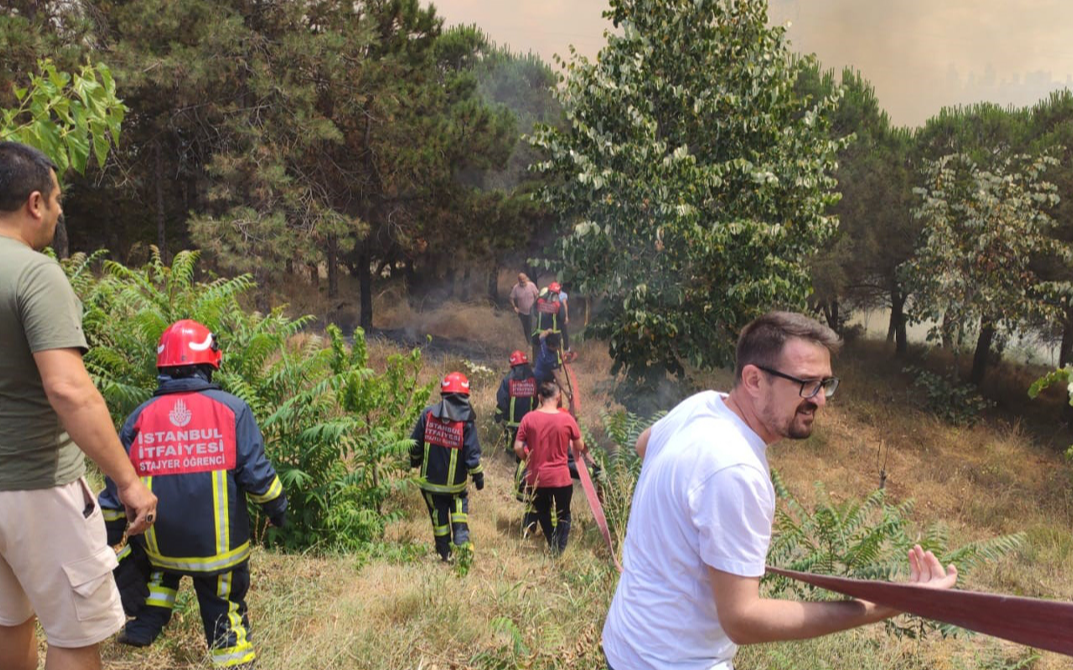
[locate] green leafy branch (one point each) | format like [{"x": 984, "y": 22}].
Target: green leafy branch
[{"x": 67, "y": 116}]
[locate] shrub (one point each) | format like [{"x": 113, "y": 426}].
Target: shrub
[
  {"x": 959, "y": 404},
  {"x": 867, "y": 539},
  {"x": 1059, "y": 376},
  {"x": 336, "y": 430},
  {"x": 621, "y": 466}
]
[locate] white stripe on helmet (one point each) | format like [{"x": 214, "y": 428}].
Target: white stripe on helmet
[{"x": 202, "y": 346}]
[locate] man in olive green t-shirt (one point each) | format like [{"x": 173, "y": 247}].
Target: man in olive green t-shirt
[{"x": 54, "y": 561}]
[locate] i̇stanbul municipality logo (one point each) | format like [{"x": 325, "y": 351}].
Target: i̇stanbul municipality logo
[{"x": 179, "y": 415}]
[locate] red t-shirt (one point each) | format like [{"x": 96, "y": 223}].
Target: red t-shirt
[{"x": 548, "y": 437}]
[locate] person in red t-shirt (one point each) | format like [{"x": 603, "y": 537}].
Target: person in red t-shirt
[{"x": 544, "y": 438}]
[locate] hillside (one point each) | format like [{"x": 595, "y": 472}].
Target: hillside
[{"x": 398, "y": 607}]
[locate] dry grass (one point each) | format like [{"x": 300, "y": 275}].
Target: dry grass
[{"x": 519, "y": 608}]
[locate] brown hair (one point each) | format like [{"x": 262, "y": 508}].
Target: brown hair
[
  {"x": 762, "y": 340},
  {"x": 23, "y": 170},
  {"x": 548, "y": 390}
]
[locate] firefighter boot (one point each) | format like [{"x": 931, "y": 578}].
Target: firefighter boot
[{"x": 443, "y": 547}]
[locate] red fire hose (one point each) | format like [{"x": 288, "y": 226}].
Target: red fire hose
[{"x": 1044, "y": 624}]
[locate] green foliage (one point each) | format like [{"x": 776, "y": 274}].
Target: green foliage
[
  {"x": 695, "y": 179},
  {"x": 983, "y": 228},
  {"x": 1059, "y": 376},
  {"x": 867, "y": 539},
  {"x": 876, "y": 228},
  {"x": 336, "y": 430},
  {"x": 998, "y": 659},
  {"x": 508, "y": 656},
  {"x": 67, "y": 116},
  {"x": 621, "y": 466},
  {"x": 953, "y": 402}
]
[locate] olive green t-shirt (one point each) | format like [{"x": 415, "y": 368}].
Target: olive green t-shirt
[{"x": 38, "y": 312}]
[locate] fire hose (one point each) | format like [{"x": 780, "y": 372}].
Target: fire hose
[
  {"x": 591, "y": 494},
  {"x": 1044, "y": 624}
]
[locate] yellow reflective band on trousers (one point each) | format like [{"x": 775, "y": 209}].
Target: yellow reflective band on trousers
[
  {"x": 219, "y": 507},
  {"x": 274, "y": 489},
  {"x": 242, "y": 651},
  {"x": 113, "y": 514},
  {"x": 196, "y": 564},
  {"x": 437, "y": 531},
  {"x": 458, "y": 516},
  {"x": 159, "y": 595}
]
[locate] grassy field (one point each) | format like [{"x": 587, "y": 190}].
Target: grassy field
[{"x": 398, "y": 607}]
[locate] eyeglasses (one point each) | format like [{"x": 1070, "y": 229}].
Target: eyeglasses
[{"x": 809, "y": 387}]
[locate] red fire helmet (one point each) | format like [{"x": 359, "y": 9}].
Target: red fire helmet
[
  {"x": 554, "y": 287},
  {"x": 454, "y": 382},
  {"x": 187, "y": 342},
  {"x": 518, "y": 358}
]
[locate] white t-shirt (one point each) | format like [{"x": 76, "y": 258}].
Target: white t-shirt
[{"x": 704, "y": 498}]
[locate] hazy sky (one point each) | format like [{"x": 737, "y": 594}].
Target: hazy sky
[{"x": 919, "y": 54}]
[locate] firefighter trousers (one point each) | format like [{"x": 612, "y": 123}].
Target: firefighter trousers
[
  {"x": 450, "y": 520},
  {"x": 222, "y": 601}
]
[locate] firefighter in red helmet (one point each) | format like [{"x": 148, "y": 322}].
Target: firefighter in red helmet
[
  {"x": 516, "y": 395},
  {"x": 516, "y": 398},
  {"x": 549, "y": 313},
  {"x": 447, "y": 451},
  {"x": 200, "y": 451}
]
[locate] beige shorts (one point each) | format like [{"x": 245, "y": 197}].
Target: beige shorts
[{"x": 55, "y": 561}]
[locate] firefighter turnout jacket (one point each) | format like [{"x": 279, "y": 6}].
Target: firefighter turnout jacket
[
  {"x": 548, "y": 314},
  {"x": 200, "y": 451},
  {"x": 516, "y": 396},
  {"x": 446, "y": 450}
]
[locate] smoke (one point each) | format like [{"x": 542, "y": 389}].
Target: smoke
[{"x": 922, "y": 55}]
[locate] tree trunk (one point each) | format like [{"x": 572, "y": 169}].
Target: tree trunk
[
  {"x": 983, "y": 349},
  {"x": 161, "y": 218},
  {"x": 410, "y": 278},
  {"x": 1065, "y": 350},
  {"x": 314, "y": 274},
  {"x": 897, "y": 322},
  {"x": 261, "y": 295},
  {"x": 365, "y": 278},
  {"x": 830, "y": 312},
  {"x": 333, "y": 266},
  {"x": 1064, "y": 358},
  {"x": 451, "y": 281},
  {"x": 493, "y": 283},
  {"x": 60, "y": 243}
]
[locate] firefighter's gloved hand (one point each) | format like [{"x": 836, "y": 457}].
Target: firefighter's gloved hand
[
  {"x": 278, "y": 520},
  {"x": 478, "y": 480}
]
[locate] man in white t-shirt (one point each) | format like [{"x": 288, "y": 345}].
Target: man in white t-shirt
[{"x": 703, "y": 508}]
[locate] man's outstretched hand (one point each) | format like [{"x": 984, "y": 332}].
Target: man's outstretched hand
[{"x": 926, "y": 570}]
